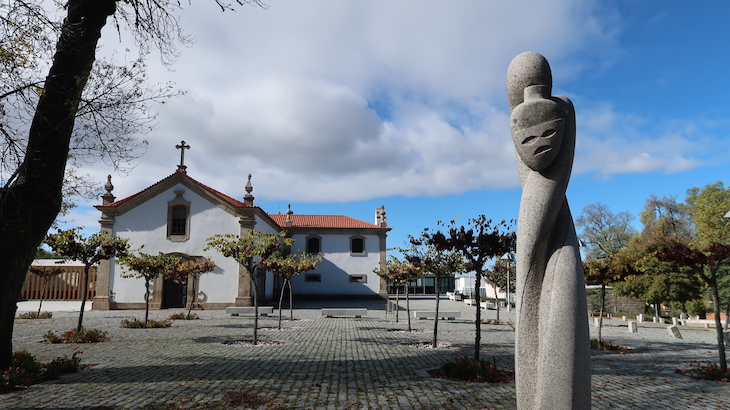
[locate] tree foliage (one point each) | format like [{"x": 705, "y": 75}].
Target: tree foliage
[
  {"x": 149, "y": 267},
  {"x": 399, "y": 273},
  {"x": 706, "y": 263},
  {"x": 425, "y": 256},
  {"x": 476, "y": 244},
  {"x": 289, "y": 266},
  {"x": 193, "y": 269},
  {"x": 253, "y": 252},
  {"x": 46, "y": 273},
  {"x": 71, "y": 244}
]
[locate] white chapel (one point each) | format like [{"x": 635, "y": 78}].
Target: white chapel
[{"x": 178, "y": 214}]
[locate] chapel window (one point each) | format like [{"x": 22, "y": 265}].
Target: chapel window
[
  {"x": 357, "y": 245},
  {"x": 314, "y": 244},
  {"x": 178, "y": 218}
]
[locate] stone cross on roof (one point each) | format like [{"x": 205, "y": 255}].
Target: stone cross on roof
[{"x": 182, "y": 147}]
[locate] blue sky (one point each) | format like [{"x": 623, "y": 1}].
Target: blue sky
[{"x": 339, "y": 107}]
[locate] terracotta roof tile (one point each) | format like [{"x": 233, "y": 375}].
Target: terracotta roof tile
[{"x": 322, "y": 221}]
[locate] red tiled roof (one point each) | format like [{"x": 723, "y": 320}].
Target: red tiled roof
[
  {"x": 220, "y": 195},
  {"x": 322, "y": 221}
]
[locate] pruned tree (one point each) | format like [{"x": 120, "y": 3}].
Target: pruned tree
[
  {"x": 706, "y": 263},
  {"x": 71, "y": 244},
  {"x": 193, "y": 269},
  {"x": 289, "y": 266},
  {"x": 604, "y": 234},
  {"x": 253, "y": 252},
  {"x": 39, "y": 123},
  {"x": 149, "y": 267},
  {"x": 424, "y": 256},
  {"x": 46, "y": 273},
  {"x": 477, "y": 244},
  {"x": 400, "y": 273}
]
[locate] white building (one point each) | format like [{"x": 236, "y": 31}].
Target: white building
[{"x": 178, "y": 214}]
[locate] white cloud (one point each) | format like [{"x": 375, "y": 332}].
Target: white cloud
[{"x": 339, "y": 101}]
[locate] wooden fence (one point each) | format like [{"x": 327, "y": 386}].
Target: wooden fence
[{"x": 66, "y": 286}]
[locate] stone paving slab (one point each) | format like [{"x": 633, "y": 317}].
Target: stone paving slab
[{"x": 341, "y": 363}]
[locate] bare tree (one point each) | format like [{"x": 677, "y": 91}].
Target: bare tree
[{"x": 31, "y": 195}]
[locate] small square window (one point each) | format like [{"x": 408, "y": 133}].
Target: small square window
[
  {"x": 359, "y": 278},
  {"x": 313, "y": 277}
]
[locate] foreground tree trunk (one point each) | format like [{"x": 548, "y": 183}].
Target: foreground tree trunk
[
  {"x": 30, "y": 203},
  {"x": 478, "y": 321},
  {"x": 436, "y": 319},
  {"x": 718, "y": 323}
]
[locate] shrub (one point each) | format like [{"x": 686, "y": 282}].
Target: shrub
[
  {"x": 138, "y": 324},
  {"x": 85, "y": 336},
  {"x": 74, "y": 336},
  {"x": 63, "y": 365},
  {"x": 24, "y": 369},
  {"x": 35, "y": 315},
  {"x": 52, "y": 338},
  {"x": 472, "y": 370},
  {"x": 604, "y": 345},
  {"x": 27, "y": 370},
  {"x": 697, "y": 307},
  {"x": 706, "y": 371},
  {"x": 184, "y": 316}
]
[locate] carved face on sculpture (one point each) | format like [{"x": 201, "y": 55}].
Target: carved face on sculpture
[{"x": 538, "y": 126}]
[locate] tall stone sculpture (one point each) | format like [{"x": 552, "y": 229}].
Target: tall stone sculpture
[{"x": 553, "y": 369}]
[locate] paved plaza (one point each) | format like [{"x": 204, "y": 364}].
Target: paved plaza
[{"x": 340, "y": 363}]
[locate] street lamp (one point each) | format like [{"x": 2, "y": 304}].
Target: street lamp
[{"x": 508, "y": 257}]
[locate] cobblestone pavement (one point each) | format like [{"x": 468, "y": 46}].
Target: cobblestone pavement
[{"x": 340, "y": 363}]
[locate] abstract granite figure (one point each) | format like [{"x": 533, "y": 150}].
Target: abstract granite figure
[{"x": 552, "y": 353}]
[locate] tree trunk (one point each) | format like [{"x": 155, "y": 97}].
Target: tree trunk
[
  {"x": 408, "y": 309},
  {"x": 436, "y": 319},
  {"x": 601, "y": 310},
  {"x": 281, "y": 300},
  {"x": 478, "y": 321},
  {"x": 195, "y": 294},
  {"x": 718, "y": 322},
  {"x": 397, "y": 302},
  {"x": 255, "y": 307},
  {"x": 31, "y": 202},
  {"x": 291, "y": 302},
  {"x": 146, "y": 302},
  {"x": 84, "y": 291},
  {"x": 496, "y": 301},
  {"x": 43, "y": 294}
]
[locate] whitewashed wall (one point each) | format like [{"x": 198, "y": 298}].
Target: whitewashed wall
[
  {"x": 338, "y": 265},
  {"x": 147, "y": 225}
]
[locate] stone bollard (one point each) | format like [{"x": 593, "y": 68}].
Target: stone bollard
[
  {"x": 675, "y": 321},
  {"x": 640, "y": 318},
  {"x": 596, "y": 321},
  {"x": 655, "y": 319},
  {"x": 623, "y": 318},
  {"x": 633, "y": 327},
  {"x": 674, "y": 331}
]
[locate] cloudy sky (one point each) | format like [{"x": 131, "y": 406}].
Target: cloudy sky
[{"x": 340, "y": 106}]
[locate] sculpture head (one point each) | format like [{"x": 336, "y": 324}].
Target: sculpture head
[{"x": 538, "y": 127}]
